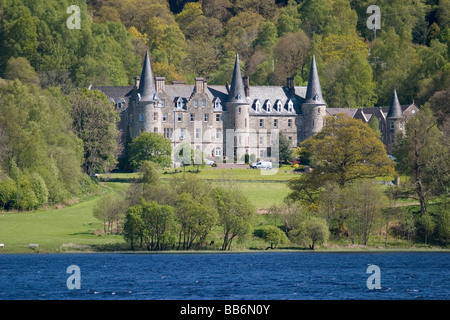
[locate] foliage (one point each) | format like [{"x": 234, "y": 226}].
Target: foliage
[
  {"x": 346, "y": 149},
  {"x": 312, "y": 231},
  {"x": 152, "y": 147},
  {"x": 236, "y": 214},
  {"x": 423, "y": 153},
  {"x": 274, "y": 236},
  {"x": 152, "y": 224},
  {"x": 110, "y": 209},
  {"x": 95, "y": 122},
  {"x": 39, "y": 151}
]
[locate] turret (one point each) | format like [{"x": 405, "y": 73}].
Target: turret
[
  {"x": 238, "y": 116},
  {"x": 313, "y": 109},
  {"x": 143, "y": 101},
  {"x": 394, "y": 121}
]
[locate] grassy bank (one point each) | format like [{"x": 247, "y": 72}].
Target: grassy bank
[{"x": 74, "y": 228}]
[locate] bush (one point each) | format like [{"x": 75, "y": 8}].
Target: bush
[
  {"x": 39, "y": 188},
  {"x": 8, "y": 193},
  {"x": 274, "y": 236},
  {"x": 311, "y": 231},
  {"x": 26, "y": 198}
]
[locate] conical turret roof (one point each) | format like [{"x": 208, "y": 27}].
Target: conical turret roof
[
  {"x": 147, "y": 83},
  {"x": 237, "y": 92},
  {"x": 314, "y": 92},
  {"x": 395, "y": 110}
]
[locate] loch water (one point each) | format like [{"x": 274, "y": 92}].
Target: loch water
[{"x": 225, "y": 276}]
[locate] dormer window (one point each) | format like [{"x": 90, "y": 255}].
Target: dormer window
[
  {"x": 268, "y": 106},
  {"x": 257, "y": 106},
  {"x": 179, "y": 103},
  {"x": 316, "y": 97},
  {"x": 279, "y": 106},
  {"x": 217, "y": 104},
  {"x": 290, "y": 106}
]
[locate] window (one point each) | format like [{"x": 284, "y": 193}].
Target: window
[
  {"x": 218, "y": 152},
  {"x": 257, "y": 106},
  {"x": 239, "y": 110},
  {"x": 269, "y": 107},
  {"x": 203, "y": 103},
  {"x": 141, "y": 117},
  {"x": 182, "y": 134},
  {"x": 196, "y": 103},
  {"x": 290, "y": 106},
  {"x": 164, "y": 117},
  {"x": 218, "y": 133},
  {"x": 168, "y": 133},
  {"x": 261, "y": 153},
  {"x": 261, "y": 140},
  {"x": 197, "y": 133},
  {"x": 217, "y": 117},
  {"x": 318, "y": 111},
  {"x": 155, "y": 130},
  {"x": 155, "y": 116},
  {"x": 179, "y": 117},
  {"x": 289, "y": 123},
  {"x": 179, "y": 104},
  {"x": 192, "y": 117},
  {"x": 261, "y": 123},
  {"x": 217, "y": 104},
  {"x": 279, "y": 106},
  {"x": 206, "y": 117},
  {"x": 163, "y": 103},
  {"x": 392, "y": 125},
  {"x": 275, "y": 123}
]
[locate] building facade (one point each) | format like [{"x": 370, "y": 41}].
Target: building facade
[{"x": 229, "y": 121}]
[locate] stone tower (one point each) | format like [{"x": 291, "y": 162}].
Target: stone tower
[
  {"x": 238, "y": 115},
  {"x": 394, "y": 122},
  {"x": 143, "y": 102},
  {"x": 313, "y": 109}
]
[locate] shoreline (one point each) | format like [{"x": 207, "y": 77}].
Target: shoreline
[{"x": 244, "y": 251}]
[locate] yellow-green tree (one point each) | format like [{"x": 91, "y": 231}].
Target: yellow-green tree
[{"x": 345, "y": 150}]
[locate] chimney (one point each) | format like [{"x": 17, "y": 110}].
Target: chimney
[
  {"x": 246, "y": 81},
  {"x": 290, "y": 86},
  {"x": 205, "y": 85},
  {"x": 137, "y": 81},
  {"x": 160, "y": 83},
  {"x": 199, "y": 85}
]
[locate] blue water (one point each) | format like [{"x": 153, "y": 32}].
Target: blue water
[{"x": 226, "y": 276}]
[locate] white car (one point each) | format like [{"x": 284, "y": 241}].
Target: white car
[
  {"x": 209, "y": 162},
  {"x": 261, "y": 165}
]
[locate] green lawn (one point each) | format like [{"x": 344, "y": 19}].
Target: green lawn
[
  {"x": 54, "y": 230},
  {"x": 264, "y": 194}
]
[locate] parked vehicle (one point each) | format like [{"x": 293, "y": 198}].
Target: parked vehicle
[{"x": 261, "y": 165}]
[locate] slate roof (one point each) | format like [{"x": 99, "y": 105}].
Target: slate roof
[
  {"x": 395, "y": 110},
  {"x": 237, "y": 91},
  {"x": 314, "y": 92},
  {"x": 147, "y": 83},
  {"x": 115, "y": 94}
]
